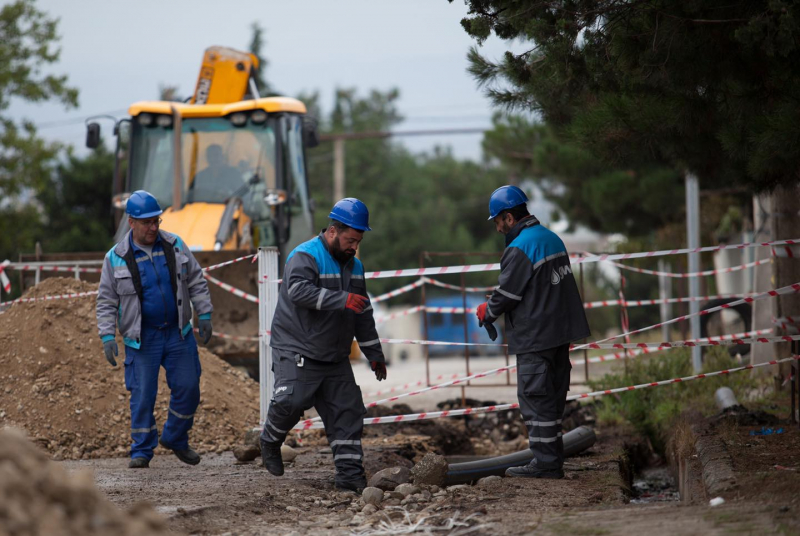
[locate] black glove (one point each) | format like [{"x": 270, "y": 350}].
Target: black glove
[
  {"x": 380, "y": 370},
  {"x": 205, "y": 330},
  {"x": 490, "y": 329},
  {"x": 110, "y": 348}
]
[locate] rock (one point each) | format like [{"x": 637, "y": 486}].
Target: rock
[
  {"x": 434, "y": 489},
  {"x": 369, "y": 509},
  {"x": 391, "y": 502},
  {"x": 407, "y": 489},
  {"x": 372, "y": 496},
  {"x": 246, "y": 453},
  {"x": 430, "y": 470},
  {"x": 251, "y": 437},
  {"x": 458, "y": 487},
  {"x": 489, "y": 481},
  {"x": 287, "y": 453},
  {"x": 394, "y": 495},
  {"x": 389, "y": 479},
  {"x": 292, "y": 509}
]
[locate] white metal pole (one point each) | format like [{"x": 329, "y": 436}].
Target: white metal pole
[
  {"x": 267, "y": 301},
  {"x": 338, "y": 169},
  {"x": 693, "y": 241},
  {"x": 665, "y": 293}
]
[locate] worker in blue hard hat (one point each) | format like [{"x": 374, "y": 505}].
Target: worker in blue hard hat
[
  {"x": 322, "y": 305},
  {"x": 149, "y": 283},
  {"x": 544, "y": 313}
]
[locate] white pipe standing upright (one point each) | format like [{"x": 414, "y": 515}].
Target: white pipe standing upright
[
  {"x": 267, "y": 301},
  {"x": 693, "y": 241},
  {"x": 665, "y": 293}
]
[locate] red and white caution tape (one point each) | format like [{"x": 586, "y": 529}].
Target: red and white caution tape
[
  {"x": 690, "y": 343},
  {"x": 503, "y": 407},
  {"x": 49, "y": 298},
  {"x": 441, "y": 284},
  {"x": 693, "y": 274},
  {"x": 639, "y": 303},
  {"x": 385, "y": 318},
  {"x": 441, "y": 343},
  {"x": 73, "y": 269},
  {"x": 4, "y": 281},
  {"x": 399, "y": 291},
  {"x": 786, "y": 251},
  {"x": 226, "y": 263},
  {"x": 233, "y": 290},
  {"x": 790, "y": 289},
  {"x": 231, "y": 337},
  {"x": 471, "y": 268}
]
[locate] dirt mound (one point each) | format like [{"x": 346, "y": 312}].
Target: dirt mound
[
  {"x": 56, "y": 384},
  {"x": 38, "y": 496}
]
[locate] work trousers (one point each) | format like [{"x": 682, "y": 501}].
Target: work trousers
[
  {"x": 542, "y": 385},
  {"x": 302, "y": 383},
  {"x": 179, "y": 357}
]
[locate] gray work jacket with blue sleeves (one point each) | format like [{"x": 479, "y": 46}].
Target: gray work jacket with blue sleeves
[
  {"x": 537, "y": 293},
  {"x": 311, "y": 319},
  {"x": 120, "y": 293}
]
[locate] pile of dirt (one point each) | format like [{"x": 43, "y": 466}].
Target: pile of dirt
[
  {"x": 38, "y": 496},
  {"x": 56, "y": 384}
]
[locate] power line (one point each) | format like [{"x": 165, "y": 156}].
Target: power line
[{"x": 76, "y": 120}]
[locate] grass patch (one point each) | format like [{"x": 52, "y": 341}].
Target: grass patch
[{"x": 654, "y": 411}]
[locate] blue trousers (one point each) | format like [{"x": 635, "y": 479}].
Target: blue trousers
[{"x": 181, "y": 361}]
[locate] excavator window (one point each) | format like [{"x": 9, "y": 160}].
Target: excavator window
[{"x": 219, "y": 160}]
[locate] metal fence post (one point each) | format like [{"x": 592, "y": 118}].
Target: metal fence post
[{"x": 267, "y": 301}]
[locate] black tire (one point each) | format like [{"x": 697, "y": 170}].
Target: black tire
[
  {"x": 575, "y": 442},
  {"x": 744, "y": 310}
]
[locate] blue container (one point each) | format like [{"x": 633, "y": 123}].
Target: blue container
[{"x": 449, "y": 327}]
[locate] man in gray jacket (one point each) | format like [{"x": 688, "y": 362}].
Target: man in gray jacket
[
  {"x": 322, "y": 305},
  {"x": 147, "y": 284},
  {"x": 543, "y": 315}
]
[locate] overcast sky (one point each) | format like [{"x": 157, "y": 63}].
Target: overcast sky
[{"x": 117, "y": 53}]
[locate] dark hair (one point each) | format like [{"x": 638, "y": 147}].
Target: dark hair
[
  {"x": 339, "y": 226},
  {"x": 518, "y": 212}
]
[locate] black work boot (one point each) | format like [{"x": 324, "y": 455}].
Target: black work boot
[
  {"x": 186, "y": 455},
  {"x": 355, "y": 487},
  {"x": 271, "y": 458},
  {"x": 531, "y": 471},
  {"x": 139, "y": 463}
]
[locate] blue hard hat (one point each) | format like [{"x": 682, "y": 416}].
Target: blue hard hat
[
  {"x": 142, "y": 205},
  {"x": 504, "y": 198},
  {"x": 351, "y": 212}
]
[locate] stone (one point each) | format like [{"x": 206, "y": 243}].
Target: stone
[
  {"x": 287, "y": 453},
  {"x": 372, "y": 496},
  {"x": 430, "y": 470},
  {"x": 369, "y": 509},
  {"x": 389, "y": 479},
  {"x": 458, "y": 487},
  {"x": 246, "y": 453},
  {"x": 407, "y": 489},
  {"x": 391, "y": 502},
  {"x": 394, "y": 495},
  {"x": 488, "y": 481}
]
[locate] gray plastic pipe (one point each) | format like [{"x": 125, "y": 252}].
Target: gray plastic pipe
[
  {"x": 725, "y": 398},
  {"x": 575, "y": 442}
]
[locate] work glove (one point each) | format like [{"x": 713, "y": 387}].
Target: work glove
[
  {"x": 356, "y": 302},
  {"x": 205, "y": 330},
  {"x": 480, "y": 312},
  {"x": 380, "y": 370},
  {"x": 490, "y": 329},
  {"x": 110, "y": 348}
]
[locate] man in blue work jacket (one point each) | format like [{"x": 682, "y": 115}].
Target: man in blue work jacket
[
  {"x": 149, "y": 282},
  {"x": 544, "y": 313},
  {"x": 322, "y": 305}
]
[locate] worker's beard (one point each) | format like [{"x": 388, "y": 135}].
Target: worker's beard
[{"x": 340, "y": 254}]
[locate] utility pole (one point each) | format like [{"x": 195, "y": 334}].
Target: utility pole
[
  {"x": 338, "y": 168},
  {"x": 693, "y": 241}
]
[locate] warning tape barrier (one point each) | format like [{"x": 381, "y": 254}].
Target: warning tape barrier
[
  {"x": 693, "y": 274},
  {"x": 5, "y": 282},
  {"x": 441, "y": 284},
  {"x": 471, "y": 268},
  {"x": 233, "y": 290},
  {"x": 399, "y": 291},
  {"x": 790, "y": 289},
  {"x": 640, "y": 348},
  {"x": 308, "y": 424},
  {"x": 254, "y": 258},
  {"x": 230, "y": 337},
  {"x": 48, "y": 298}
]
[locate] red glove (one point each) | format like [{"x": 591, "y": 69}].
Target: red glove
[
  {"x": 481, "y": 312},
  {"x": 356, "y": 302},
  {"x": 380, "y": 370}
]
